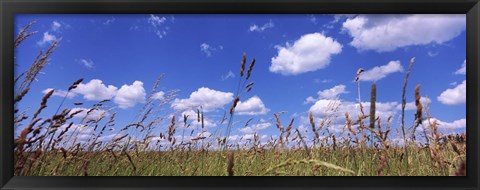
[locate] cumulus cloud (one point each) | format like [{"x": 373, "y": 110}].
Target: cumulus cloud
[
  {"x": 96, "y": 90},
  {"x": 253, "y": 106},
  {"x": 445, "y": 126},
  {"x": 463, "y": 69},
  {"x": 411, "y": 105},
  {"x": 309, "y": 100},
  {"x": 255, "y": 128},
  {"x": 60, "y": 93},
  {"x": 88, "y": 114},
  {"x": 192, "y": 116},
  {"x": 256, "y": 28},
  {"x": 324, "y": 107},
  {"x": 309, "y": 53},
  {"x": 159, "y": 95},
  {"x": 380, "y": 72},
  {"x": 47, "y": 39},
  {"x": 125, "y": 97},
  {"x": 331, "y": 93},
  {"x": 208, "y": 98},
  {"x": 129, "y": 95},
  {"x": 388, "y": 32},
  {"x": 87, "y": 63},
  {"x": 454, "y": 96}
]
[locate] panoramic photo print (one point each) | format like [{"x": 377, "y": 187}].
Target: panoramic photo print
[{"x": 240, "y": 95}]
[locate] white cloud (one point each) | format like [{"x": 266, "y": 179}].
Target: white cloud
[
  {"x": 96, "y": 90},
  {"x": 256, "y": 28},
  {"x": 411, "y": 105},
  {"x": 380, "y": 72},
  {"x": 309, "y": 100},
  {"x": 192, "y": 116},
  {"x": 253, "y": 106},
  {"x": 129, "y": 95},
  {"x": 208, "y": 49},
  {"x": 454, "y": 96},
  {"x": 87, "y": 63},
  {"x": 56, "y": 25},
  {"x": 94, "y": 114},
  {"x": 207, "y": 98},
  {"x": 445, "y": 126},
  {"x": 205, "y": 48},
  {"x": 388, "y": 32},
  {"x": 230, "y": 74},
  {"x": 255, "y": 128},
  {"x": 157, "y": 23},
  {"x": 159, "y": 95},
  {"x": 463, "y": 69},
  {"x": 324, "y": 107},
  {"x": 309, "y": 53},
  {"x": 47, "y": 38},
  {"x": 332, "y": 92},
  {"x": 60, "y": 93},
  {"x": 328, "y": 94}
]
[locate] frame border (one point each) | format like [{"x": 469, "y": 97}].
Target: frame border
[{"x": 8, "y": 9}]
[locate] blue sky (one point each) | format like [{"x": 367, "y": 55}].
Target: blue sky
[{"x": 302, "y": 63}]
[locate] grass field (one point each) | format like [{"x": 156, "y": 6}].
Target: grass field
[{"x": 50, "y": 146}]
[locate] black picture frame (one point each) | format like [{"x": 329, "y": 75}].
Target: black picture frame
[{"x": 8, "y": 9}]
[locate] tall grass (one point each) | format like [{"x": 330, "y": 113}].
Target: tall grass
[{"x": 51, "y": 146}]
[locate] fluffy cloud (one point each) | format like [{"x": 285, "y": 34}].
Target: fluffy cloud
[
  {"x": 129, "y": 95},
  {"x": 332, "y": 92},
  {"x": 60, "y": 93},
  {"x": 380, "y": 72},
  {"x": 47, "y": 39},
  {"x": 310, "y": 100},
  {"x": 463, "y": 69},
  {"x": 159, "y": 95},
  {"x": 96, "y": 90},
  {"x": 192, "y": 116},
  {"x": 255, "y": 128},
  {"x": 454, "y": 96},
  {"x": 256, "y": 28},
  {"x": 327, "y": 94},
  {"x": 309, "y": 53},
  {"x": 411, "y": 105},
  {"x": 388, "y": 32},
  {"x": 207, "y": 98},
  {"x": 445, "y": 126},
  {"x": 125, "y": 97},
  {"x": 93, "y": 115},
  {"x": 253, "y": 106},
  {"x": 324, "y": 107}
]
